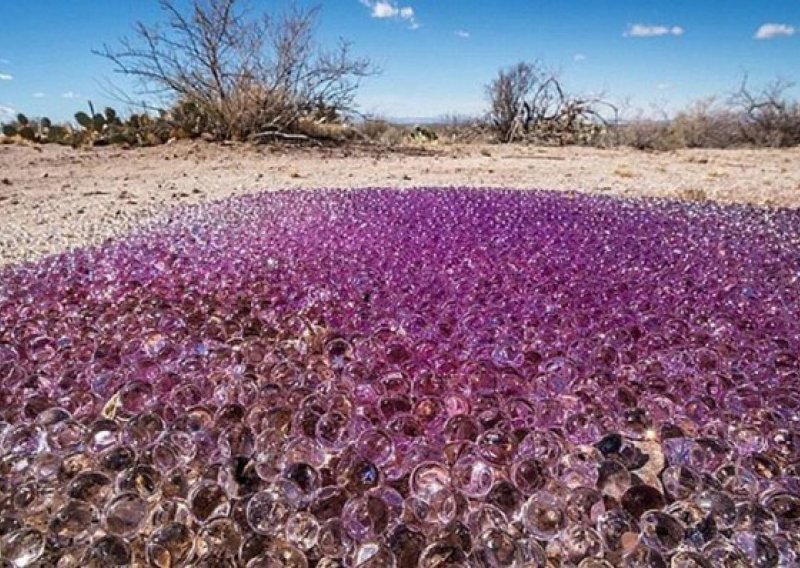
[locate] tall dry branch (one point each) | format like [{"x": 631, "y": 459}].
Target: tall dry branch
[
  {"x": 528, "y": 101},
  {"x": 246, "y": 71}
]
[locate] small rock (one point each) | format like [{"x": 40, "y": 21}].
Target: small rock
[{"x": 5, "y": 181}]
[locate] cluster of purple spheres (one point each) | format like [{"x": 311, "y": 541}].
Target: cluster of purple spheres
[{"x": 431, "y": 377}]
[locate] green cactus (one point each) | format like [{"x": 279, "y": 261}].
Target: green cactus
[
  {"x": 84, "y": 120},
  {"x": 98, "y": 122},
  {"x": 9, "y": 130},
  {"x": 28, "y": 133},
  {"x": 45, "y": 123},
  {"x": 22, "y": 120},
  {"x": 111, "y": 115},
  {"x": 133, "y": 121}
]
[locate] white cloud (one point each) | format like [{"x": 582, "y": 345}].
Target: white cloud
[
  {"x": 644, "y": 30},
  {"x": 579, "y": 57},
  {"x": 664, "y": 86},
  {"x": 463, "y": 34},
  {"x": 770, "y": 31},
  {"x": 383, "y": 10},
  {"x": 6, "y": 112},
  {"x": 388, "y": 9},
  {"x": 6, "y": 77},
  {"x": 70, "y": 95},
  {"x": 39, "y": 95}
]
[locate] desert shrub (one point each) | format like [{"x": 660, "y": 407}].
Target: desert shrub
[
  {"x": 528, "y": 102},
  {"x": 706, "y": 124},
  {"x": 384, "y": 131},
  {"x": 764, "y": 117},
  {"x": 244, "y": 73},
  {"x": 646, "y": 134},
  {"x": 768, "y": 116},
  {"x": 462, "y": 129}
]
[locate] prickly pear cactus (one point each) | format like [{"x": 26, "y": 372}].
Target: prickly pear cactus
[
  {"x": 28, "y": 133},
  {"x": 98, "y": 122},
  {"x": 83, "y": 119},
  {"x": 9, "y": 130}
]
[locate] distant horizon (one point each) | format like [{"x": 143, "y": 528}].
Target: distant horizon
[{"x": 437, "y": 56}]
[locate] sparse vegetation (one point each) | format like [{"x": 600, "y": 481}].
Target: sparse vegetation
[
  {"x": 764, "y": 117},
  {"x": 290, "y": 90},
  {"x": 245, "y": 74}
]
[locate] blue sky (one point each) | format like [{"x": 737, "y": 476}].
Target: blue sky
[{"x": 436, "y": 55}]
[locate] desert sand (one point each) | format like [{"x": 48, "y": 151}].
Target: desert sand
[{"x": 55, "y": 198}]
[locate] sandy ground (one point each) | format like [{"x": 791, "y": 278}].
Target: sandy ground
[{"x": 54, "y": 198}]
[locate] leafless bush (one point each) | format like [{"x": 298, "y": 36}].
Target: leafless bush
[
  {"x": 765, "y": 117},
  {"x": 768, "y": 116},
  {"x": 527, "y": 101},
  {"x": 247, "y": 72},
  {"x": 706, "y": 124}
]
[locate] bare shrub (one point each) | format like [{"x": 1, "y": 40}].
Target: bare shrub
[
  {"x": 706, "y": 124},
  {"x": 246, "y": 72},
  {"x": 645, "y": 134},
  {"x": 527, "y": 101},
  {"x": 768, "y": 116},
  {"x": 764, "y": 117}
]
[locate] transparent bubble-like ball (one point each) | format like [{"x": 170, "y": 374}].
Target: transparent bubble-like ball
[
  {"x": 125, "y": 514},
  {"x": 373, "y": 555},
  {"x": 719, "y": 506},
  {"x": 640, "y": 498},
  {"x": 472, "y": 475},
  {"x": 170, "y": 545},
  {"x": 302, "y": 530},
  {"x": 23, "y": 547},
  {"x": 689, "y": 559},
  {"x": 644, "y": 557},
  {"x": 221, "y": 536},
  {"x": 443, "y": 553},
  {"x": 543, "y": 515},
  {"x": 208, "y": 499},
  {"x": 619, "y": 531},
  {"x": 75, "y": 521},
  {"x": 529, "y": 475},
  {"x": 581, "y": 542},
  {"x": 759, "y": 548},
  {"x": 661, "y": 531},
  {"x": 365, "y": 518},
  {"x": 108, "y": 550},
  {"x": 268, "y": 511},
  {"x": 459, "y": 377},
  {"x": 495, "y": 547}
]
